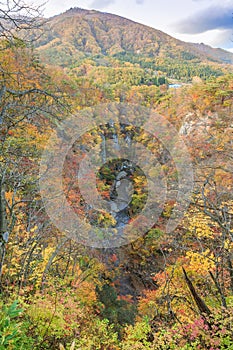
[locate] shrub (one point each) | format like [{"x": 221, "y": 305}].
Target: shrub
[{"x": 13, "y": 330}]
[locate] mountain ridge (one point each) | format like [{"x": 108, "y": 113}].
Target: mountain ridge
[
  {"x": 149, "y": 35},
  {"x": 79, "y": 36}
]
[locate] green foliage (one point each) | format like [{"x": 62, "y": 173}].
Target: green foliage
[
  {"x": 48, "y": 318},
  {"x": 119, "y": 312},
  {"x": 185, "y": 70},
  {"x": 13, "y": 330},
  {"x": 99, "y": 335},
  {"x": 137, "y": 336}
]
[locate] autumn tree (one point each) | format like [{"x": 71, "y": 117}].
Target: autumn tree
[{"x": 27, "y": 101}]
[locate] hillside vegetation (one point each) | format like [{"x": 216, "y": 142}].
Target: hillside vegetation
[{"x": 112, "y": 41}]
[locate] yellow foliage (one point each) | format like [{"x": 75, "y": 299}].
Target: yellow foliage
[
  {"x": 41, "y": 265},
  {"x": 201, "y": 262},
  {"x": 200, "y": 225}
]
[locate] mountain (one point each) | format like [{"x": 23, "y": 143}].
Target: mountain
[
  {"x": 219, "y": 54},
  {"x": 78, "y": 34}
]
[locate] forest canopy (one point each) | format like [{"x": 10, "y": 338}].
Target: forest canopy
[{"x": 162, "y": 290}]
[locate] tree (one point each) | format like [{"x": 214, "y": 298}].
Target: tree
[
  {"x": 17, "y": 18},
  {"x": 28, "y": 100}
]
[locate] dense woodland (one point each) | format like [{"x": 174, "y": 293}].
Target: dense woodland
[{"x": 162, "y": 290}]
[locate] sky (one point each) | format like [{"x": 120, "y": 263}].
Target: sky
[{"x": 199, "y": 21}]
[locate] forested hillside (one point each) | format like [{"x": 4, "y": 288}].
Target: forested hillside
[
  {"x": 153, "y": 287},
  {"x": 107, "y": 43}
]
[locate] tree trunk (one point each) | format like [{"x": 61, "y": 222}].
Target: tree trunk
[
  {"x": 230, "y": 272},
  {"x": 3, "y": 227},
  {"x": 202, "y": 307}
]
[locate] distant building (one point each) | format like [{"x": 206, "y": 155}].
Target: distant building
[{"x": 174, "y": 86}]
